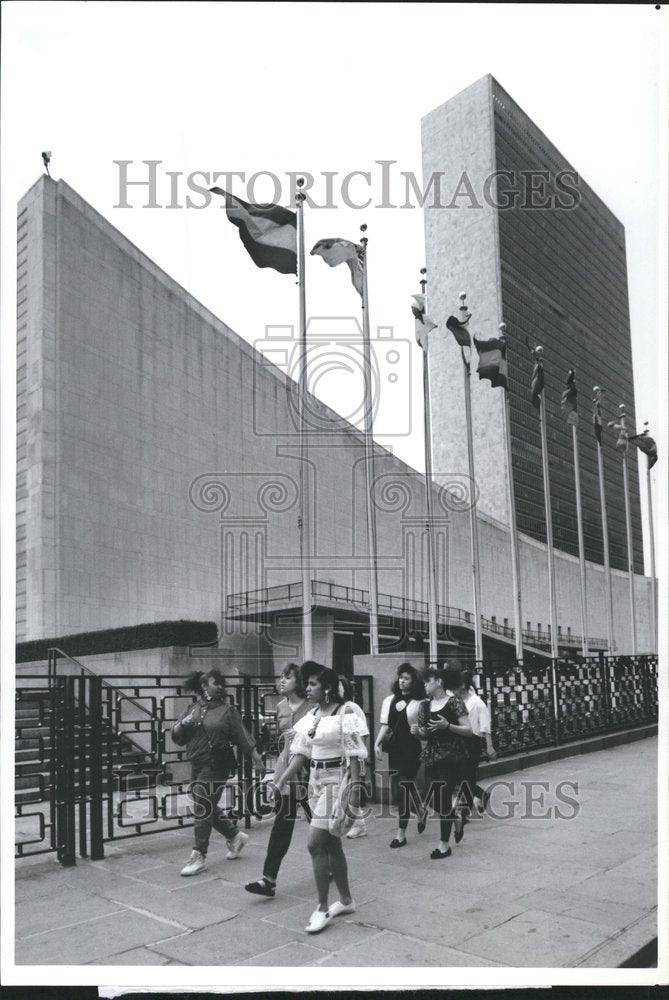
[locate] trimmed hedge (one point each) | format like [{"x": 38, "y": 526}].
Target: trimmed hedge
[{"x": 153, "y": 635}]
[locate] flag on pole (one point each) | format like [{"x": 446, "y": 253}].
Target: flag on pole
[
  {"x": 597, "y": 420},
  {"x": 537, "y": 384},
  {"x": 339, "y": 251},
  {"x": 423, "y": 322},
  {"x": 269, "y": 232},
  {"x": 647, "y": 445},
  {"x": 460, "y": 331},
  {"x": 569, "y": 401},
  {"x": 622, "y": 441},
  {"x": 492, "y": 360}
]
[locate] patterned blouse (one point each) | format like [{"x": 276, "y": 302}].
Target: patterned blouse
[{"x": 442, "y": 744}]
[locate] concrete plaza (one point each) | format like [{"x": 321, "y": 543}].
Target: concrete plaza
[{"x": 519, "y": 891}]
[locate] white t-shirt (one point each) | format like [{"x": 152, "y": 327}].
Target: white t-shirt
[
  {"x": 411, "y": 707},
  {"x": 479, "y": 716}
]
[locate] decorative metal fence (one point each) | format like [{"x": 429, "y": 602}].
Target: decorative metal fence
[{"x": 95, "y": 761}]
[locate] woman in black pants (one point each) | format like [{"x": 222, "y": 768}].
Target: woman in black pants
[
  {"x": 444, "y": 722},
  {"x": 290, "y": 710},
  {"x": 398, "y": 713},
  {"x": 209, "y": 729}
]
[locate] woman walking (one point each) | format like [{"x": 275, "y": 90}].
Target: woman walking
[
  {"x": 444, "y": 722},
  {"x": 347, "y": 694},
  {"x": 330, "y": 740},
  {"x": 209, "y": 729},
  {"x": 399, "y": 712},
  {"x": 293, "y": 707},
  {"x": 479, "y": 720}
]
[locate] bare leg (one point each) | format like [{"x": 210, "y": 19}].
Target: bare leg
[
  {"x": 320, "y": 858},
  {"x": 339, "y": 868}
]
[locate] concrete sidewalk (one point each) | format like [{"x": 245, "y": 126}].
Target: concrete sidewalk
[{"x": 517, "y": 892}]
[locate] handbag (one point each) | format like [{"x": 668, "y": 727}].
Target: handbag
[{"x": 342, "y": 816}]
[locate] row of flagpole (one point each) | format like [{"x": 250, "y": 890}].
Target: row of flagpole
[
  {"x": 493, "y": 366},
  {"x": 274, "y": 237}
]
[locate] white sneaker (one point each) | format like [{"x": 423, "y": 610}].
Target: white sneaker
[
  {"x": 357, "y": 831},
  {"x": 236, "y": 845},
  {"x": 338, "y": 908},
  {"x": 196, "y": 864},
  {"x": 318, "y": 921}
]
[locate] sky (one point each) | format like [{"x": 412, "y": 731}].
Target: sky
[{"x": 324, "y": 87}]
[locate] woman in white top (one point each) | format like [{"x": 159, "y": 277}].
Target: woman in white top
[
  {"x": 479, "y": 720},
  {"x": 399, "y": 712},
  {"x": 329, "y": 739},
  {"x": 346, "y": 692}
]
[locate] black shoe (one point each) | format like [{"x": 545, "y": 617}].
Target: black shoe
[
  {"x": 459, "y": 831},
  {"x": 437, "y": 854},
  {"x": 398, "y": 843},
  {"x": 422, "y": 822},
  {"x": 263, "y": 887}
]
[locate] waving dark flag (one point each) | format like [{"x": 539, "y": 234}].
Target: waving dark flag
[
  {"x": 537, "y": 384},
  {"x": 492, "y": 360},
  {"x": 646, "y": 444},
  {"x": 569, "y": 400},
  {"x": 460, "y": 331},
  {"x": 269, "y": 232}
]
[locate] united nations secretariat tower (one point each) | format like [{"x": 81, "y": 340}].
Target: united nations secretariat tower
[{"x": 159, "y": 469}]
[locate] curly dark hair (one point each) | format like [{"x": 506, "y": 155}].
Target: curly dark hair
[
  {"x": 417, "y": 689},
  {"x": 327, "y": 678},
  {"x": 195, "y": 681}
]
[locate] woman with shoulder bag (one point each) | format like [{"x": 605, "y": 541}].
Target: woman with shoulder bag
[
  {"x": 330, "y": 741},
  {"x": 399, "y": 712},
  {"x": 347, "y": 693},
  {"x": 443, "y": 722},
  {"x": 209, "y": 729},
  {"x": 289, "y": 711}
]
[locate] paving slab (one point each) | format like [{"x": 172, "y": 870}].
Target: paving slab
[
  {"x": 226, "y": 944},
  {"x": 59, "y": 906},
  {"x": 537, "y": 939},
  {"x": 294, "y": 954},
  {"x": 388, "y": 949},
  {"x": 90, "y": 940},
  {"x": 136, "y": 956}
]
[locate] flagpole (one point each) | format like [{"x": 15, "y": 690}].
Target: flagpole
[
  {"x": 581, "y": 547},
  {"x": 605, "y": 529},
  {"x": 303, "y": 516},
  {"x": 628, "y": 527},
  {"x": 515, "y": 553},
  {"x": 369, "y": 460},
  {"x": 538, "y": 353},
  {"x": 653, "y": 581},
  {"x": 473, "y": 523},
  {"x": 431, "y": 547}
]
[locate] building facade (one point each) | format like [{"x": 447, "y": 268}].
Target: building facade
[
  {"x": 158, "y": 476},
  {"x": 533, "y": 246}
]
